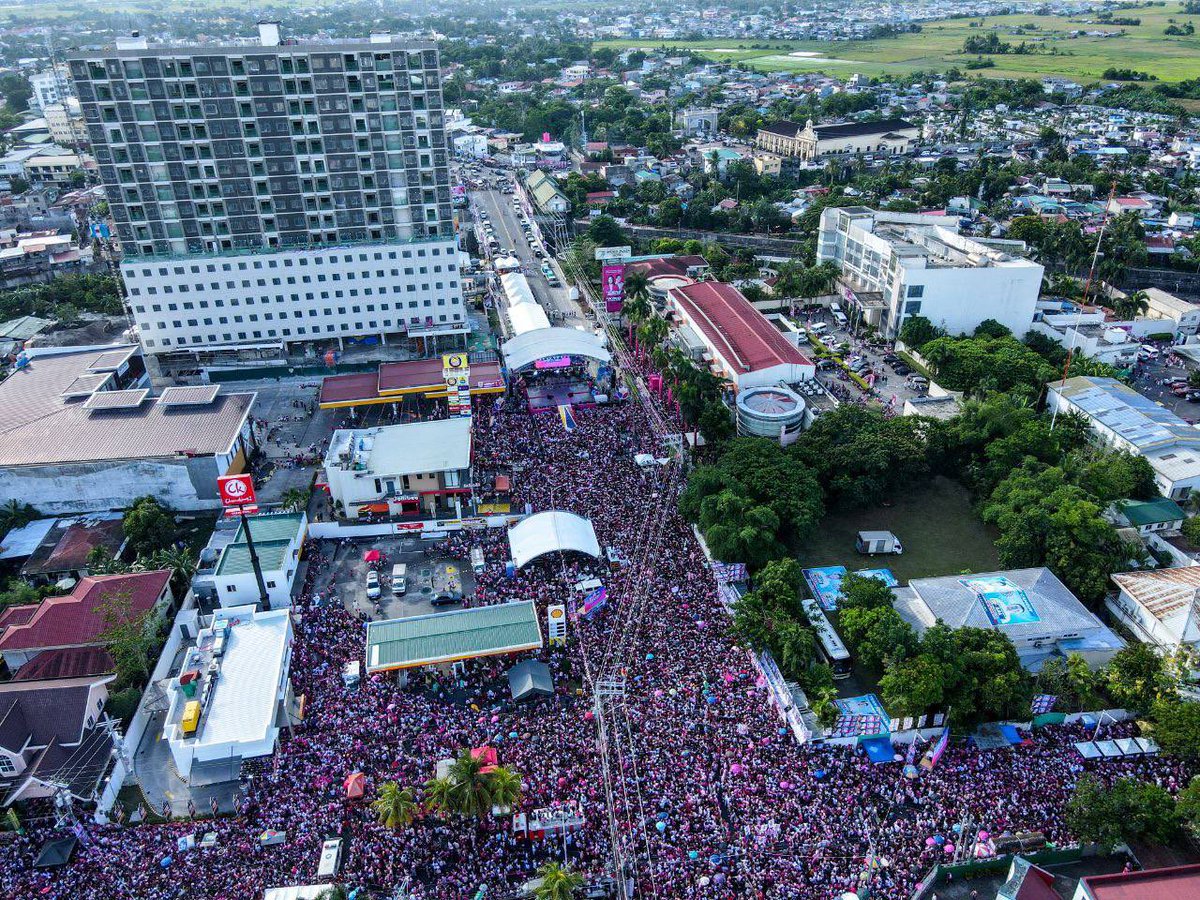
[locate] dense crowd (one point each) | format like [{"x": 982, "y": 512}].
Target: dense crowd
[{"x": 712, "y": 797}]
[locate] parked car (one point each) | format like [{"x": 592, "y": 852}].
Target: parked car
[
  {"x": 372, "y": 585},
  {"x": 902, "y": 370}
]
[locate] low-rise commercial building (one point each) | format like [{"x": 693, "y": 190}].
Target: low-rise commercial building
[
  {"x": 226, "y": 573},
  {"x": 897, "y": 265},
  {"x": 1184, "y": 315},
  {"x": 419, "y": 469},
  {"x": 545, "y": 193},
  {"x": 1122, "y": 418},
  {"x": 1159, "y": 606},
  {"x": 232, "y": 695},
  {"x": 83, "y": 434},
  {"x": 741, "y": 344},
  {"x": 1035, "y": 610}
]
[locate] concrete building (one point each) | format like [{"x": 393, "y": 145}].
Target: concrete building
[
  {"x": 1031, "y": 607},
  {"x": 1184, "y": 315},
  {"x": 1088, "y": 334},
  {"x": 226, "y": 574},
  {"x": 276, "y": 192},
  {"x": 49, "y": 87},
  {"x": 65, "y": 121},
  {"x": 741, "y": 344},
  {"x": 896, "y": 265},
  {"x": 545, "y": 193},
  {"x": 420, "y": 469},
  {"x": 1160, "y": 606},
  {"x": 1122, "y": 418},
  {"x": 1176, "y": 882},
  {"x": 238, "y": 674},
  {"x": 83, "y": 435},
  {"x": 809, "y": 142}
]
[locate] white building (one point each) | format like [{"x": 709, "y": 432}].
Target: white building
[
  {"x": 1088, "y": 334},
  {"x": 1160, "y": 606},
  {"x": 1184, "y": 315},
  {"x": 1122, "y": 418},
  {"x": 49, "y": 87},
  {"x": 238, "y": 673},
  {"x": 897, "y": 265},
  {"x": 65, "y": 121},
  {"x": 200, "y": 304},
  {"x": 419, "y": 469},
  {"x": 472, "y": 144},
  {"x": 278, "y": 538}
]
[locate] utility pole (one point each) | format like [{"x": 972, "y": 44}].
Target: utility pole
[{"x": 258, "y": 576}]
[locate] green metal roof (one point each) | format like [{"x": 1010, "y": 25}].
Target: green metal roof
[
  {"x": 1151, "y": 512},
  {"x": 235, "y": 560},
  {"x": 449, "y": 636},
  {"x": 272, "y": 533}
]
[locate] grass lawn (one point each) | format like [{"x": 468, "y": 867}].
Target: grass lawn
[
  {"x": 940, "y": 531},
  {"x": 938, "y": 47}
]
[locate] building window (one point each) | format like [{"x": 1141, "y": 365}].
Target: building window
[
  {"x": 7, "y": 767},
  {"x": 916, "y": 290}
]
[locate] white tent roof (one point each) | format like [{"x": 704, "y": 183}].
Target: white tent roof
[
  {"x": 546, "y": 532},
  {"x": 526, "y": 349},
  {"x": 527, "y": 317}
]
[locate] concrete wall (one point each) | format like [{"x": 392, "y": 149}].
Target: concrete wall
[
  {"x": 185, "y": 484},
  {"x": 959, "y": 299}
]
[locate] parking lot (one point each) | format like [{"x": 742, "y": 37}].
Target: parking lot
[
  {"x": 428, "y": 577},
  {"x": 1151, "y": 378}
]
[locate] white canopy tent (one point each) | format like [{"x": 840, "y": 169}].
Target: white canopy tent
[
  {"x": 547, "y": 532},
  {"x": 543, "y": 343}
]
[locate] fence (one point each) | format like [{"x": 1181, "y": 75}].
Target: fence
[
  {"x": 996, "y": 864},
  {"x": 338, "y": 530}
]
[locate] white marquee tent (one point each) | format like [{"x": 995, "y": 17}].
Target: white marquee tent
[
  {"x": 547, "y": 532},
  {"x": 543, "y": 343}
]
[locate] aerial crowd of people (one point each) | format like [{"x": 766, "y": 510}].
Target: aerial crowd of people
[{"x": 710, "y": 794}]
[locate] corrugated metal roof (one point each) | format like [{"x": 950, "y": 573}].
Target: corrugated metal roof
[
  {"x": 1137, "y": 419},
  {"x": 448, "y": 636},
  {"x": 40, "y": 427}
]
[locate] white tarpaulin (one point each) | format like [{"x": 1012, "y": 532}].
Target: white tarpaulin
[
  {"x": 544, "y": 343},
  {"x": 546, "y": 532}
]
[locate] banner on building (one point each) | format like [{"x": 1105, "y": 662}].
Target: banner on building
[
  {"x": 556, "y": 624},
  {"x": 935, "y": 752},
  {"x": 594, "y": 602},
  {"x": 613, "y": 276}
]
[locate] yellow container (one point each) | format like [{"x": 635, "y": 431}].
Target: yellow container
[{"x": 191, "y": 717}]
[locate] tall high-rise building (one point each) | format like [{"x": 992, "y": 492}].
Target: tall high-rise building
[{"x": 270, "y": 192}]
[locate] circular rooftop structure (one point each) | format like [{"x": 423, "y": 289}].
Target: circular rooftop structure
[
  {"x": 658, "y": 285},
  {"x": 769, "y": 411}
]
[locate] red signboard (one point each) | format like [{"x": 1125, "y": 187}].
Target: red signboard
[{"x": 236, "y": 490}]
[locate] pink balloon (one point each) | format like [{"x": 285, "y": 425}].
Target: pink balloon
[
  {"x": 948, "y": 849},
  {"x": 929, "y": 842}
]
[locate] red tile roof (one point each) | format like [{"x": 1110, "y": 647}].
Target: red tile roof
[
  {"x": 739, "y": 332},
  {"x": 72, "y": 621},
  {"x": 1175, "y": 882},
  {"x": 17, "y": 615},
  {"x": 667, "y": 265}
]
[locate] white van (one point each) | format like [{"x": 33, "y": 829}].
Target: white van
[
  {"x": 477, "y": 560},
  {"x": 400, "y": 579},
  {"x": 840, "y": 318},
  {"x": 1148, "y": 350},
  {"x": 819, "y": 328}
]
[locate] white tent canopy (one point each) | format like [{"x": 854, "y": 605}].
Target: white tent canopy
[
  {"x": 543, "y": 343},
  {"x": 546, "y": 532}
]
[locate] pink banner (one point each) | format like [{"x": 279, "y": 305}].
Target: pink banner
[{"x": 613, "y": 279}]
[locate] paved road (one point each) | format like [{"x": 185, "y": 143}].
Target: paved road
[
  {"x": 499, "y": 208},
  {"x": 1147, "y": 382}
]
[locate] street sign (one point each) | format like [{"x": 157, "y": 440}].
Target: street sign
[
  {"x": 236, "y": 490},
  {"x": 613, "y": 253}
]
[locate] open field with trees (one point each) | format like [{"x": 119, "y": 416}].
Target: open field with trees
[{"x": 1049, "y": 48}]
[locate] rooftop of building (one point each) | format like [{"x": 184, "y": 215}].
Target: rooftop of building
[
  {"x": 49, "y": 415},
  {"x": 416, "y": 448},
  {"x": 44, "y": 712},
  {"x": 1151, "y": 512},
  {"x": 1167, "y": 594},
  {"x": 1176, "y": 882},
  {"x": 242, "y": 703},
  {"x": 68, "y": 662},
  {"x": 68, "y": 544},
  {"x": 739, "y": 332},
  {"x": 79, "y": 618},
  {"x": 135, "y": 44},
  {"x": 272, "y": 534},
  {"x": 450, "y": 636},
  {"x": 411, "y": 376},
  {"x": 1135, "y": 418}
]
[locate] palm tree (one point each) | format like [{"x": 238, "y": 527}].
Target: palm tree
[
  {"x": 181, "y": 563},
  {"x": 294, "y": 499},
  {"x": 439, "y": 795},
  {"x": 472, "y": 787},
  {"x": 15, "y": 514},
  {"x": 1131, "y": 306},
  {"x": 558, "y": 882},
  {"x": 505, "y": 787},
  {"x": 395, "y": 805}
]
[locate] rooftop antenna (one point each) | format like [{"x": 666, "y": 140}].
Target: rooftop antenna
[{"x": 1087, "y": 287}]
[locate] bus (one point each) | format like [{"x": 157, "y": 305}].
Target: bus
[{"x": 830, "y": 644}]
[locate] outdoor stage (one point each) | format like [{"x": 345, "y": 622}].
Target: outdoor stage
[{"x": 547, "y": 395}]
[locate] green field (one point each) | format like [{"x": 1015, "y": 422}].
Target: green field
[{"x": 938, "y": 47}]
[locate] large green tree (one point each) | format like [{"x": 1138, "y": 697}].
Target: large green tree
[
  {"x": 877, "y": 635},
  {"x": 149, "y": 526},
  {"x": 1128, "y": 810},
  {"x": 1177, "y": 727},
  {"x": 1136, "y": 678}
]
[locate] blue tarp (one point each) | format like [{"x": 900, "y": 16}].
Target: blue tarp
[{"x": 879, "y": 750}]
